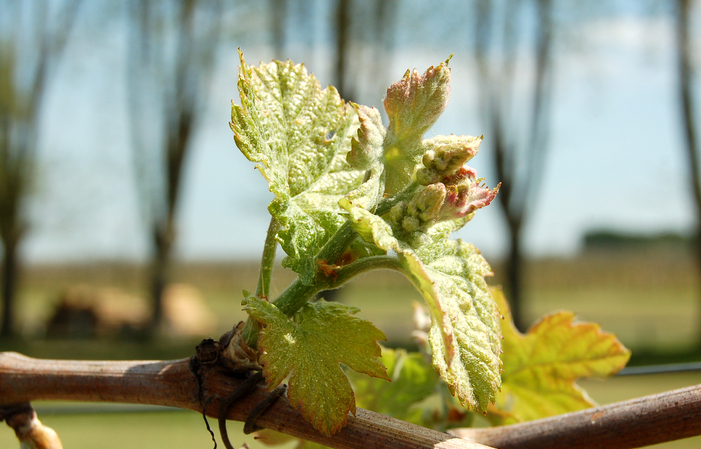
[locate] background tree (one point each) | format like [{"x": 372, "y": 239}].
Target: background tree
[
  {"x": 364, "y": 34},
  {"x": 514, "y": 57},
  {"x": 343, "y": 43},
  {"x": 172, "y": 46},
  {"x": 685, "y": 71},
  {"x": 278, "y": 14},
  {"x": 30, "y": 47}
]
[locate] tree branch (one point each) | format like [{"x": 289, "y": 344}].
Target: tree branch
[
  {"x": 639, "y": 422},
  {"x": 644, "y": 421},
  {"x": 172, "y": 383}
]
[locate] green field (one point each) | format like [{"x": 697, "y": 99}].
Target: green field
[
  {"x": 114, "y": 430},
  {"x": 651, "y": 303}
]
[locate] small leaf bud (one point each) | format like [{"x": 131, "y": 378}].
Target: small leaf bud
[{"x": 411, "y": 224}]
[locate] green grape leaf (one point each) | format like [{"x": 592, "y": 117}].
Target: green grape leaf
[
  {"x": 299, "y": 135},
  {"x": 309, "y": 349},
  {"x": 465, "y": 333},
  {"x": 413, "y": 380},
  {"x": 542, "y": 366}
]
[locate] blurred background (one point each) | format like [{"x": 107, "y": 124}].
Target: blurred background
[{"x": 130, "y": 222}]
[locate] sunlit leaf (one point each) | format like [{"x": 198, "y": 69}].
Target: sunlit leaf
[
  {"x": 310, "y": 350},
  {"x": 299, "y": 134},
  {"x": 542, "y": 366}
]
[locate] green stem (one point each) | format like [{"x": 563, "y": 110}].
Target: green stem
[
  {"x": 265, "y": 276},
  {"x": 268, "y": 260},
  {"x": 405, "y": 195},
  {"x": 298, "y": 294},
  {"x": 337, "y": 244},
  {"x": 364, "y": 265}
]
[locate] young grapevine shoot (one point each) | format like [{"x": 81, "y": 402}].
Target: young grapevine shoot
[{"x": 353, "y": 195}]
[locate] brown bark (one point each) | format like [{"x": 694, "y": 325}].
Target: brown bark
[
  {"x": 639, "y": 422},
  {"x": 172, "y": 383}
]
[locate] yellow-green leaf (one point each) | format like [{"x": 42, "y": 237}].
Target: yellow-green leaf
[
  {"x": 542, "y": 366},
  {"x": 309, "y": 349}
]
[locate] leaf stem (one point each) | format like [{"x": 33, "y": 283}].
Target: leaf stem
[
  {"x": 364, "y": 265},
  {"x": 268, "y": 260},
  {"x": 298, "y": 293},
  {"x": 265, "y": 276},
  {"x": 337, "y": 244},
  {"x": 386, "y": 204}
]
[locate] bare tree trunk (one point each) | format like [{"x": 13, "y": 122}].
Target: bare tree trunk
[
  {"x": 10, "y": 266},
  {"x": 161, "y": 164},
  {"x": 518, "y": 158},
  {"x": 164, "y": 232},
  {"x": 163, "y": 240},
  {"x": 20, "y": 107},
  {"x": 342, "y": 44},
  {"x": 685, "y": 73},
  {"x": 278, "y": 13},
  {"x": 514, "y": 279}
]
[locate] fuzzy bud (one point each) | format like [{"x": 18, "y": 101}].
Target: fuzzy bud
[
  {"x": 465, "y": 195},
  {"x": 445, "y": 155}
]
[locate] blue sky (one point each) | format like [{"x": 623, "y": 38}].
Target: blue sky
[{"x": 615, "y": 158}]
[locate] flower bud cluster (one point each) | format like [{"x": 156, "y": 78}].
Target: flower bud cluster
[
  {"x": 444, "y": 156},
  {"x": 465, "y": 194},
  {"x": 413, "y": 218},
  {"x": 451, "y": 190}
]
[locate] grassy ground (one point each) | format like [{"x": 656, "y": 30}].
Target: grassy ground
[
  {"x": 650, "y": 302},
  {"x": 107, "y": 430}
]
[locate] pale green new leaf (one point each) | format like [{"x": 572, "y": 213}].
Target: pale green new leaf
[
  {"x": 310, "y": 350},
  {"x": 366, "y": 155},
  {"x": 465, "y": 333},
  {"x": 542, "y": 366},
  {"x": 413, "y": 105},
  {"x": 299, "y": 134}
]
